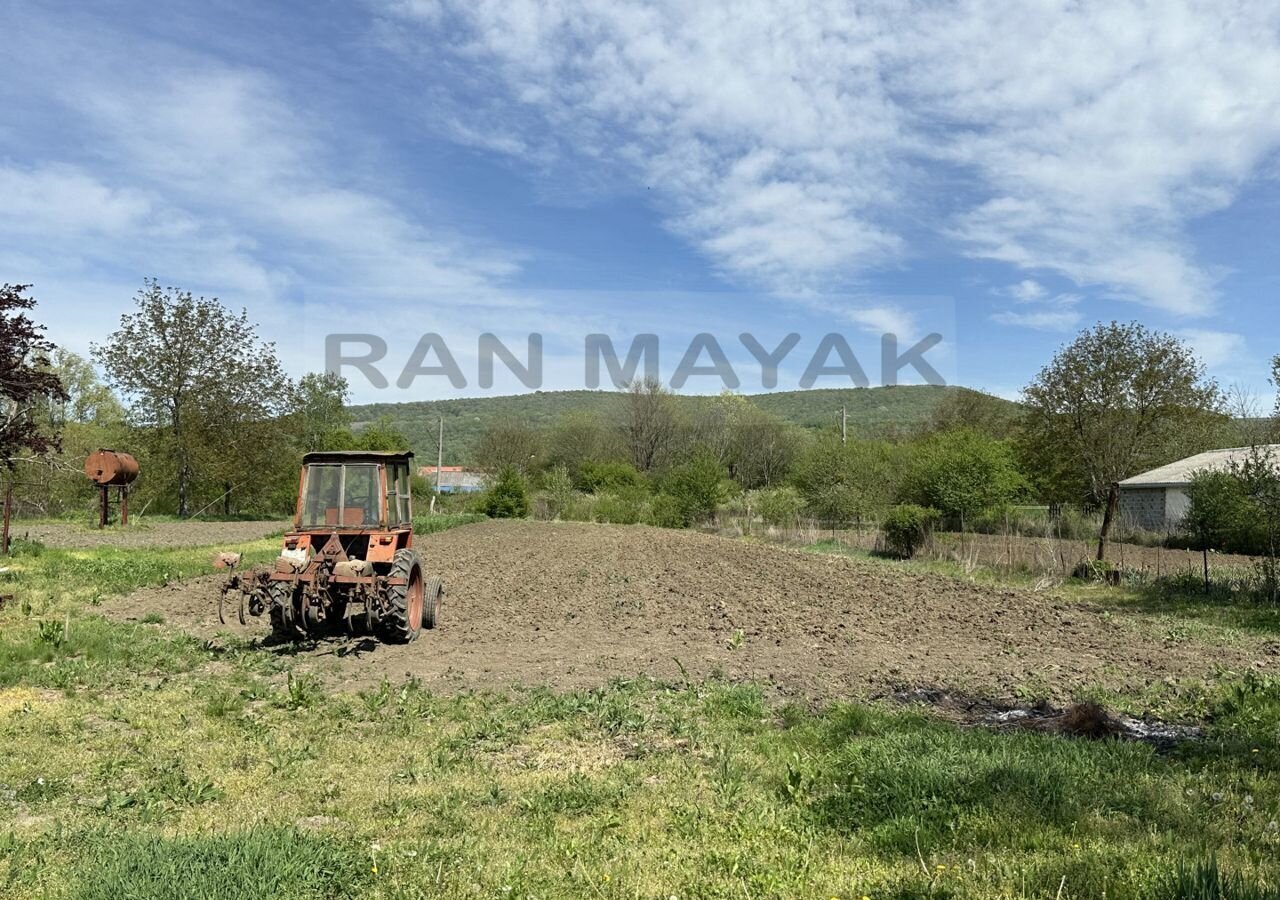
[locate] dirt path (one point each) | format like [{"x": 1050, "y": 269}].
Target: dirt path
[
  {"x": 153, "y": 535},
  {"x": 572, "y": 605}
]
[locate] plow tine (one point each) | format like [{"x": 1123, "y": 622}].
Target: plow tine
[
  {"x": 243, "y": 598},
  {"x": 222, "y": 599}
]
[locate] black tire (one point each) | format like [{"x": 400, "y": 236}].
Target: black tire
[
  {"x": 402, "y": 615},
  {"x": 280, "y": 607},
  {"x": 432, "y": 596}
]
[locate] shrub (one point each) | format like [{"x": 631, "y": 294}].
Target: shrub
[
  {"x": 697, "y": 486},
  {"x": 846, "y": 482},
  {"x": 779, "y": 507},
  {"x": 907, "y": 527},
  {"x": 961, "y": 473},
  {"x": 557, "y": 492},
  {"x": 602, "y": 477},
  {"x": 508, "y": 497},
  {"x": 663, "y": 510},
  {"x": 619, "y": 508}
]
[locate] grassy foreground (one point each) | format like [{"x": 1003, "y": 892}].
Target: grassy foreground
[{"x": 142, "y": 764}]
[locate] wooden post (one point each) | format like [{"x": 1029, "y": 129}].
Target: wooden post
[
  {"x": 124, "y": 504},
  {"x": 103, "y": 504},
  {"x": 844, "y": 424},
  {"x": 8, "y": 516}
]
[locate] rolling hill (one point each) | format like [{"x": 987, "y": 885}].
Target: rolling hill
[{"x": 872, "y": 412}]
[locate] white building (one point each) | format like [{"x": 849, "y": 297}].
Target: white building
[{"x": 1157, "y": 500}]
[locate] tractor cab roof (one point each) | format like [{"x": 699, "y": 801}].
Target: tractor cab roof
[{"x": 358, "y": 456}]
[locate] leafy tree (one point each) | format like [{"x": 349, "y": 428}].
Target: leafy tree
[
  {"x": 696, "y": 485},
  {"x": 847, "y": 482},
  {"x": 962, "y": 473},
  {"x": 321, "y": 418},
  {"x": 1219, "y": 516},
  {"x": 380, "y": 435},
  {"x": 1116, "y": 401},
  {"x": 27, "y": 385},
  {"x": 88, "y": 400},
  {"x": 197, "y": 379},
  {"x": 508, "y": 497},
  {"x": 981, "y": 412}
]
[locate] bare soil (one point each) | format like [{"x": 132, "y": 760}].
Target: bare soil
[
  {"x": 573, "y": 605},
  {"x": 148, "y": 534}
]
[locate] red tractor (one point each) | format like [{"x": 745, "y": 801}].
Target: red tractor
[{"x": 349, "y": 561}]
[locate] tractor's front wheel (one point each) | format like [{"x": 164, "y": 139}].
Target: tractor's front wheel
[
  {"x": 402, "y": 613},
  {"x": 284, "y": 622}
]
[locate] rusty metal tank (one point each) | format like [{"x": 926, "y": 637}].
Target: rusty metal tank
[{"x": 109, "y": 467}]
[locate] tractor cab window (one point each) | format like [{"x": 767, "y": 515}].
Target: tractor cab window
[{"x": 341, "y": 496}]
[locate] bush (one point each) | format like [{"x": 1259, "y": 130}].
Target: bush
[
  {"x": 603, "y": 477},
  {"x": 620, "y": 508},
  {"x": 906, "y": 529},
  {"x": 847, "y": 482},
  {"x": 962, "y": 473},
  {"x": 663, "y": 511},
  {"x": 557, "y": 492},
  {"x": 508, "y": 498},
  {"x": 697, "y": 486},
  {"x": 779, "y": 507}
]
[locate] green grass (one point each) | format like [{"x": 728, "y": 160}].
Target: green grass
[{"x": 140, "y": 763}]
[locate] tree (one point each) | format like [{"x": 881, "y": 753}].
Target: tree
[
  {"x": 962, "y": 473},
  {"x": 844, "y": 482},
  {"x": 27, "y": 383},
  {"x": 696, "y": 485},
  {"x": 651, "y": 425},
  {"x": 761, "y": 446},
  {"x": 1218, "y": 514},
  {"x": 963, "y": 408},
  {"x": 380, "y": 435},
  {"x": 578, "y": 438},
  {"x": 321, "y": 418},
  {"x": 1116, "y": 401},
  {"x": 510, "y": 443},
  {"x": 508, "y": 497},
  {"x": 197, "y": 378},
  {"x": 88, "y": 400}
]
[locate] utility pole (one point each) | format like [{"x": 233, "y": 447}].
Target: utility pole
[
  {"x": 439, "y": 455},
  {"x": 844, "y": 424}
]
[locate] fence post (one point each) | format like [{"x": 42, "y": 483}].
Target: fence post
[{"x": 8, "y": 516}]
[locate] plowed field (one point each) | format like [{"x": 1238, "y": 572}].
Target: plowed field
[{"x": 574, "y": 605}]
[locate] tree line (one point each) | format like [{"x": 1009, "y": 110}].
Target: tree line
[{"x": 189, "y": 386}]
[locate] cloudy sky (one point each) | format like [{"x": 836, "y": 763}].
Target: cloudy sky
[{"x": 1002, "y": 173}]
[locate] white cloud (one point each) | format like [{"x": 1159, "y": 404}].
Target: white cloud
[
  {"x": 1217, "y": 349},
  {"x": 1026, "y": 291},
  {"x": 799, "y": 143},
  {"x": 1040, "y": 319}
]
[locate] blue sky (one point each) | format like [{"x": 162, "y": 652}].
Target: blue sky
[{"x": 1002, "y": 173}]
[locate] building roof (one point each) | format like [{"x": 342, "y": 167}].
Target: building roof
[{"x": 1181, "y": 472}]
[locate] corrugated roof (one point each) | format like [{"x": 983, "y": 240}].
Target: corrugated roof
[{"x": 1182, "y": 471}]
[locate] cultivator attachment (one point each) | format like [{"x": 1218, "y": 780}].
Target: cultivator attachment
[{"x": 250, "y": 589}]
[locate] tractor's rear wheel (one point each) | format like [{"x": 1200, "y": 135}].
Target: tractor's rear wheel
[
  {"x": 284, "y": 622},
  {"x": 402, "y": 614},
  {"x": 432, "y": 596}
]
